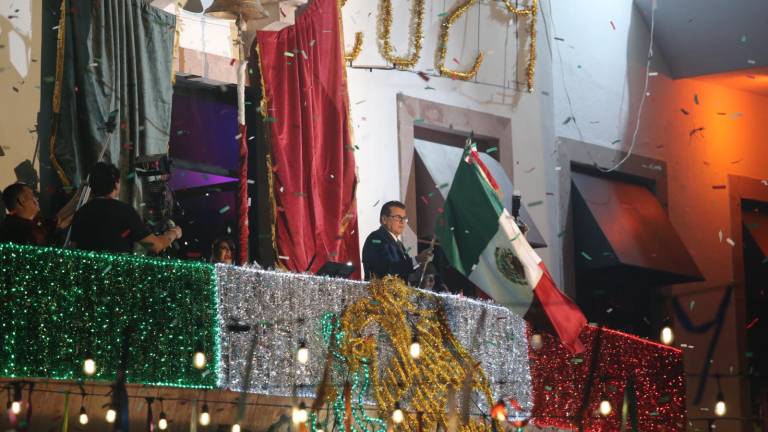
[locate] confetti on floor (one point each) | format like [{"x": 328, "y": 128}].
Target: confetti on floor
[{"x": 224, "y": 209}]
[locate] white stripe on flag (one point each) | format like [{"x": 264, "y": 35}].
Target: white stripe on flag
[{"x": 487, "y": 275}]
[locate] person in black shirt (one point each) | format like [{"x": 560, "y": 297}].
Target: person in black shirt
[
  {"x": 110, "y": 225},
  {"x": 23, "y": 224},
  {"x": 383, "y": 251}
]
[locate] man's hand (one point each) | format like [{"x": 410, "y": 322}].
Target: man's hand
[
  {"x": 424, "y": 256},
  {"x": 174, "y": 233}
]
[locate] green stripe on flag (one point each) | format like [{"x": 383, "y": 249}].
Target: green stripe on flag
[{"x": 470, "y": 217}]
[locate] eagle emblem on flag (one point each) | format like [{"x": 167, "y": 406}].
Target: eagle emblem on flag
[{"x": 510, "y": 265}]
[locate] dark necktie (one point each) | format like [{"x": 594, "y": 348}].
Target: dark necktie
[{"x": 401, "y": 246}]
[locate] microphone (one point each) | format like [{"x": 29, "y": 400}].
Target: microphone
[{"x": 516, "y": 203}]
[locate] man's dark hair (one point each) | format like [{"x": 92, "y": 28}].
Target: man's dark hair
[
  {"x": 388, "y": 205},
  {"x": 103, "y": 178},
  {"x": 11, "y": 195}
]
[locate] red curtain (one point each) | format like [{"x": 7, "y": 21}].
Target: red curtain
[{"x": 313, "y": 158}]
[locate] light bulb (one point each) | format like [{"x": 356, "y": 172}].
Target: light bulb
[
  {"x": 720, "y": 407},
  {"x": 299, "y": 414},
  {"x": 605, "y": 408},
  {"x": 111, "y": 415},
  {"x": 415, "y": 348},
  {"x": 199, "y": 359},
  {"x": 302, "y": 355},
  {"x": 16, "y": 407},
  {"x": 163, "y": 422},
  {"x": 204, "y": 418},
  {"x": 499, "y": 411},
  {"x": 89, "y": 366},
  {"x": 536, "y": 341},
  {"x": 83, "y": 416},
  {"x": 667, "y": 336},
  {"x": 397, "y": 414},
  {"x": 236, "y": 427}
]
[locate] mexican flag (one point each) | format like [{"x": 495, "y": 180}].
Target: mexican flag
[{"x": 483, "y": 242}]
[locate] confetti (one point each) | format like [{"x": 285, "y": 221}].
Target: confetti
[
  {"x": 695, "y": 98},
  {"x": 423, "y": 75},
  {"x": 270, "y": 119},
  {"x": 722, "y": 186},
  {"x": 375, "y": 241},
  {"x": 730, "y": 242},
  {"x": 125, "y": 233},
  {"x": 585, "y": 255},
  {"x": 613, "y": 26},
  {"x": 614, "y": 142},
  {"x": 288, "y": 54},
  {"x": 224, "y": 209},
  {"x": 283, "y": 257},
  {"x": 682, "y": 110},
  {"x": 653, "y": 74},
  {"x": 561, "y": 233},
  {"x": 695, "y": 131},
  {"x": 491, "y": 150},
  {"x": 231, "y": 62},
  {"x": 568, "y": 120},
  {"x": 442, "y": 14},
  {"x": 418, "y": 121},
  {"x": 530, "y": 170},
  {"x": 312, "y": 42},
  {"x": 559, "y": 39},
  {"x": 750, "y": 61},
  {"x": 376, "y": 203},
  {"x": 429, "y": 88},
  {"x": 535, "y": 203},
  {"x": 743, "y": 38}
]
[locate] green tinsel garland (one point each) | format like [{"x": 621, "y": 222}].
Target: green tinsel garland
[{"x": 56, "y": 305}]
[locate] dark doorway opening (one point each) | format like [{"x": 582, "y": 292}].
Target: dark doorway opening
[{"x": 755, "y": 235}]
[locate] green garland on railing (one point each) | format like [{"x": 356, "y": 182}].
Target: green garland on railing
[{"x": 56, "y": 305}]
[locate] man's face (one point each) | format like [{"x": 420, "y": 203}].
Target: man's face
[
  {"x": 395, "y": 222},
  {"x": 224, "y": 254},
  {"x": 27, "y": 202}
]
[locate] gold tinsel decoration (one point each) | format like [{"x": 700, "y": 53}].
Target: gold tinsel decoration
[
  {"x": 531, "y": 13},
  {"x": 358, "y": 46},
  {"x": 417, "y": 34},
  {"x": 442, "y": 45},
  {"x": 423, "y": 384}
]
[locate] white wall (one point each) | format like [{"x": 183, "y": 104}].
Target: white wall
[{"x": 20, "y": 23}]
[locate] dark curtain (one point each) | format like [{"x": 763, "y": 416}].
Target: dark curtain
[
  {"x": 307, "y": 113},
  {"x": 118, "y": 60}
]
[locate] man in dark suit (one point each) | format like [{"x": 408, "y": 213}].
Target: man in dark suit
[{"x": 383, "y": 252}]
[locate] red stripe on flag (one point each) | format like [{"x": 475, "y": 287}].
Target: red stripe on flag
[
  {"x": 562, "y": 313},
  {"x": 484, "y": 169}
]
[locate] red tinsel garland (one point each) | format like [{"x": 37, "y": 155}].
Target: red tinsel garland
[{"x": 560, "y": 382}]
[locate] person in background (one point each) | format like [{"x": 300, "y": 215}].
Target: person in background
[
  {"x": 110, "y": 225},
  {"x": 383, "y": 251},
  {"x": 222, "y": 250},
  {"x": 23, "y": 224}
]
